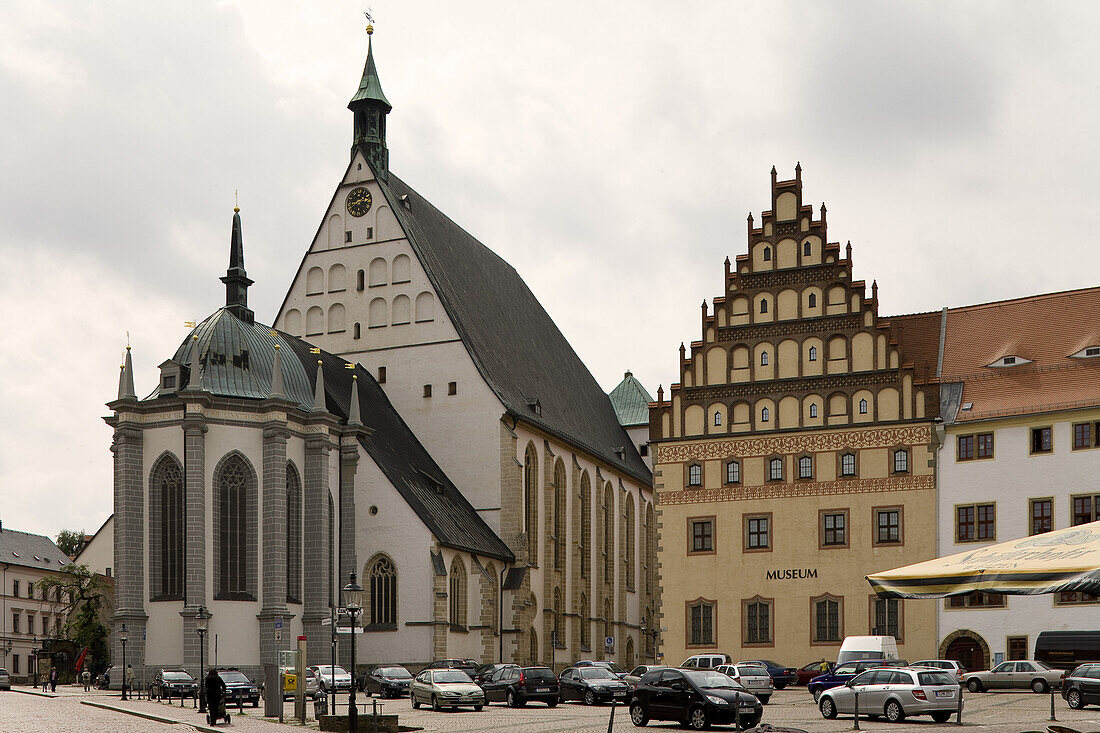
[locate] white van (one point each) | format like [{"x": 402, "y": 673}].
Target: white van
[
  {"x": 706, "y": 661},
  {"x": 867, "y": 647}
]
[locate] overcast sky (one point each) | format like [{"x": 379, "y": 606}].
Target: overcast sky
[{"x": 610, "y": 154}]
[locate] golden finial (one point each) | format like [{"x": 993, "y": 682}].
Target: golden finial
[
  {"x": 127, "y": 340},
  {"x": 370, "y": 30},
  {"x": 236, "y": 203},
  {"x": 195, "y": 338},
  {"x": 276, "y": 346},
  {"x": 355, "y": 377},
  {"x": 320, "y": 362},
  {"x": 121, "y": 366}
]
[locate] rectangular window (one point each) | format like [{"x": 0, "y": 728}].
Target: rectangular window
[
  {"x": 695, "y": 475},
  {"x": 805, "y": 467},
  {"x": 833, "y": 528},
  {"x": 1082, "y": 435},
  {"x": 985, "y": 445},
  {"x": 702, "y": 535},
  {"x": 976, "y": 523},
  {"x": 775, "y": 469},
  {"x": 1076, "y": 598},
  {"x": 347, "y": 237},
  {"x": 1041, "y": 440},
  {"x": 901, "y": 461},
  {"x": 1085, "y": 509},
  {"x": 452, "y": 387},
  {"x": 757, "y": 621},
  {"x": 848, "y": 464},
  {"x": 45, "y": 625},
  {"x": 826, "y": 621},
  {"x": 15, "y": 588},
  {"x": 977, "y": 599},
  {"x": 701, "y": 624},
  {"x": 887, "y": 526},
  {"x": 756, "y": 532},
  {"x": 1042, "y": 515},
  {"x": 427, "y": 390},
  {"x": 733, "y": 472},
  {"x": 1017, "y": 647},
  {"x": 966, "y": 448},
  {"x": 381, "y": 375},
  {"x": 15, "y": 664},
  {"x": 886, "y": 616},
  {"x": 15, "y": 622}
]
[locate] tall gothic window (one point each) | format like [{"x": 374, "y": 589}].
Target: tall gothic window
[
  {"x": 812, "y": 300},
  {"x": 457, "y": 595},
  {"x": 168, "y": 515},
  {"x": 586, "y": 525},
  {"x": 234, "y": 528},
  {"x": 559, "y": 514},
  {"x": 630, "y": 541},
  {"x": 608, "y": 535},
  {"x": 382, "y": 586},
  {"x": 558, "y": 639},
  {"x": 293, "y": 535},
  {"x": 586, "y": 641},
  {"x": 531, "y": 502}
]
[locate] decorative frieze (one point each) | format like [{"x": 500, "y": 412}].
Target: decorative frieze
[
  {"x": 771, "y": 491},
  {"x": 793, "y": 443}
]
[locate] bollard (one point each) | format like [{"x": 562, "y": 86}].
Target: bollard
[
  {"x": 240, "y": 705},
  {"x": 374, "y": 716},
  {"x": 855, "y": 723},
  {"x": 959, "y": 709},
  {"x": 1052, "y": 704},
  {"x": 181, "y": 698},
  {"x": 737, "y": 713},
  {"x": 611, "y": 720}
]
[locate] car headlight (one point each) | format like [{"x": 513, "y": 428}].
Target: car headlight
[
  {"x": 716, "y": 700},
  {"x": 254, "y": 690},
  {"x": 451, "y": 693}
]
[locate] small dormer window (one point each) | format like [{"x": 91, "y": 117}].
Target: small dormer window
[
  {"x": 1089, "y": 352},
  {"x": 967, "y": 406},
  {"x": 169, "y": 381},
  {"x": 1009, "y": 361}
]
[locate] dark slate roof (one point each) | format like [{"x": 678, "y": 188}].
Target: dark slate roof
[
  {"x": 515, "y": 344},
  {"x": 31, "y": 550},
  {"x": 631, "y": 401}
]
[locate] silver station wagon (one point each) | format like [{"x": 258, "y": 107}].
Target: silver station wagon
[
  {"x": 752, "y": 677},
  {"x": 895, "y": 693},
  {"x": 445, "y": 688}
]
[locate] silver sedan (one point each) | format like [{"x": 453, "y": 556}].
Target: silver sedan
[
  {"x": 445, "y": 688},
  {"x": 895, "y": 693},
  {"x": 1019, "y": 674}
]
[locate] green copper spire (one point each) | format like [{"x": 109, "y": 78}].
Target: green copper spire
[
  {"x": 236, "y": 280},
  {"x": 370, "y": 107}
]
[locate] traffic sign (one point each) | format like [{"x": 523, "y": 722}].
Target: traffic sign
[
  {"x": 279, "y": 623},
  {"x": 349, "y": 630},
  {"x": 609, "y": 641}
]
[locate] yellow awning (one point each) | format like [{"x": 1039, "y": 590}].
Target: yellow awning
[{"x": 1062, "y": 560}]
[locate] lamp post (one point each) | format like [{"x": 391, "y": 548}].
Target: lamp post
[
  {"x": 34, "y": 656},
  {"x": 353, "y": 604},
  {"x": 122, "y": 636},
  {"x": 202, "y": 618}
]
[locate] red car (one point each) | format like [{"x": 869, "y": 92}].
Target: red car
[{"x": 808, "y": 671}]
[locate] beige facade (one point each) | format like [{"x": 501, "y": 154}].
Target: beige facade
[{"x": 795, "y": 456}]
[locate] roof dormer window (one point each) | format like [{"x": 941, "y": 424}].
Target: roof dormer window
[
  {"x": 1008, "y": 361},
  {"x": 1089, "y": 352}
]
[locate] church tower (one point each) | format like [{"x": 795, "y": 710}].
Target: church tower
[{"x": 370, "y": 108}]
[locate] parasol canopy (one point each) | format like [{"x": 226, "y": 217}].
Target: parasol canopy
[{"x": 1052, "y": 562}]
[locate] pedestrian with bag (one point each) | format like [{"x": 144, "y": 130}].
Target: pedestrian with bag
[
  {"x": 214, "y": 687},
  {"x": 53, "y": 679}
]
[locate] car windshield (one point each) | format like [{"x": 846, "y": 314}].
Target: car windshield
[
  {"x": 397, "y": 673},
  {"x": 540, "y": 673},
  {"x": 936, "y": 678},
  {"x": 711, "y": 680},
  {"x": 235, "y": 677},
  {"x": 595, "y": 673},
  {"x": 613, "y": 667},
  {"x": 177, "y": 677},
  {"x": 452, "y": 675}
]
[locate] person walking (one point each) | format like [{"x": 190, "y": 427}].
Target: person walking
[
  {"x": 215, "y": 696},
  {"x": 53, "y": 679},
  {"x": 86, "y": 678},
  {"x": 45, "y": 678},
  {"x": 130, "y": 678}
]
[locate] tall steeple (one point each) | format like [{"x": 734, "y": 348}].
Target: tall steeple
[
  {"x": 236, "y": 281},
  {"x": 370, "y": 107}
]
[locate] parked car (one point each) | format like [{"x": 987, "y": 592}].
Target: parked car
[
  {"x": 448, "y": 688},
  {"x": 867, "y": 647},
  {"x": 518, "y": 686},
  {"x": 311, "y": 682},
  {"x": 841, "y": 673},
  {"x": 814, "y": 669},
  {"x": 635, "y": 675},
  {"x": 781, "y": 676},
  {"x": 591, "y": 685},
  {"x": 485, "y": 671},
  {"x": 238, "y": 688},
  {"x": 950, "y": 665},
  {"x": 1081, "y": 686},
  {"x": 5, "y": 679},
  {"x": 1066, "y": 649},
  {"x": 609, "y": 666},
  {"x": 701, "y": 697},
  {"x": 751, "y": 676},
  {"x": 331, "y": 679},
  {"x": 170, "y": 683},
  {"x": 1016, "y": 674},
  {"x": 706, "y": 661},
  {"x": 466, "y": 665},
  {"x": 386, "y": 680},
  {"x": 895, "y": 693}
]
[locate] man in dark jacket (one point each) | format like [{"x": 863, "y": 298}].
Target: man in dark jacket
[{"x": 214, "y": 687}]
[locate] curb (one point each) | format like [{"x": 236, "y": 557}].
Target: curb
[
  {"x": 35, "y": 693},
  {"x": 149, "y": 716}
]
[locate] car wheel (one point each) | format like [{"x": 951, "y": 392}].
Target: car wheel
[
  {"x": 828, "y": 708},
  {"x": 1073, "y": 697},
  {"x": 894, "y": 712},
  {"x": 551, "y": 703},
  {"x": 941, "y": 716},
  {"x": 750, "y": 721},
  {"x": 780, "y": 685},
  {"x": 974, "y": 685},
  {"x": 816, "y": 692},
  {"x": 414, "y": 701},
  {"x": 226, "y": 719},
  {"x": 763, "y": 699},
  {"x": 511, "y": 699},
  {"x": 1039, "y": 685},
  {"x": 589, "y": 697},
  {"x": 435, "y": 703},
  {"x": 637, "y": 715},
  {"x": 477, "y": 708},
  {"x": 697, "y": 718}
]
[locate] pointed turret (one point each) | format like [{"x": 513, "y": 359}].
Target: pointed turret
[
  {"x": 353, "y": 410},
  {"x": 236, "y": 280},
  {"x": 126, "y": 379},
  {"x": 319, "y": 389},
  {"x": 370, "y": 107},
  {"x": 278, "y": 391},
  {"x": 194, "y": 384}
]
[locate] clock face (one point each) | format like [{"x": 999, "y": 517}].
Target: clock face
[{"x": 359, "y": 201}]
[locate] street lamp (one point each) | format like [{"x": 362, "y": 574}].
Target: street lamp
[
  {"x": 202, "y": 618},
  {"x": 34, "y": 656},
  {"x": 353, "y": 604},
  {"x": 122, "y": 637}
]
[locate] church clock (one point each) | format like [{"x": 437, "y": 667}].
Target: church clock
[{"x": 358, "y": 201}]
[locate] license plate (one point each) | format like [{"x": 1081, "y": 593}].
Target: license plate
[
  {"x": 944, "y": 693},
  {"x": 757, "y": 683},
  {"x": 621, "y": 694},
  {"x": 542, "y": 689}
]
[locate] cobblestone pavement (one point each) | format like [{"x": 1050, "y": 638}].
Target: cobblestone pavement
[{"x": 996, "y": 712}]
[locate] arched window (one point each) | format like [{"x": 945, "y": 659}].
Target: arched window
[
  {"x": 583, "y": 613},
  {"x": 378, "y": 272},
  {"x": 767, "y": 254},
  {"x": 558, "y": 639},
  {"x": 812, "y": 300},
  {"x": 775, "y": 469},
  {"x": 425, "y": 307},
  {"x": 813, "y": 409},
  {"x": 531, "y": 502},
  {"x": 901, "y": 461},
  {"x": 234, "y": 529},
  {"x": 166, "y": 507},
  {"x": 805, "y": 467},
  {"x": 631, "y": 554},
  {"x": 457, "y": 596},
  {"x": 559, "y": 514},
  {"x": 813, "y": 353},
  {"x": 733, "y": 472},
  {"x": 356, "y": 331},
  {"x": 848, "y": 464},
  {"x": 293, "y": 535},
  {"x": 379, "y": 313},
  {"x": 382, "y": 587},
  {"x": 765, "y": 414},
  {"x": 586, "y": 529},
  {"x": 360, "y": 280},
  {"x": 807, "y": 250},
  {"x": 629, "y": 653},
  {"x": 763, "y": 358},
  {"x": 608, "y": 535},
  {"x": 533, "y": 648},
  {"x": 401, "y": 269},
  {"x": 695, "y": 475},
  {"x": 863, "y": 407},
  {"x": 608, "y": 619},
  {"x": 763, "y": 305},
  {"x": 717, "y": 418},
  {"x": 402, "y": 310}
]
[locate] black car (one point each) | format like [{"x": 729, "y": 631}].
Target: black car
[
  {"x": 466, "y": 665},
  {"x": 170, "y": 683},
  {"x": 591, "y": 685},
  {"x": 634, "y": 676},
  {"x": 485, "y": 671},
  {"x": 385, "y": 681},
  {"x": 518, "y": 686},
  {"x": 695, "y": 697},
  {"x": 1081, "y": 687},
  {"x": 781, "y": 676},
  {"x": 238, "y": 688}
]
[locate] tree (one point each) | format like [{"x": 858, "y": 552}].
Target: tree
[
  {"x": 71, "y": 542},
  {"x": 85, "y": 598}
]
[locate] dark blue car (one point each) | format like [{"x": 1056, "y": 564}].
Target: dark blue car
[
  {"x": 843, "y": 672},
  {"x": 781, "y": 676}
]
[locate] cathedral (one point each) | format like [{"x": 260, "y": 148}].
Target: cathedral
[{"x": 413, "y": 416}]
